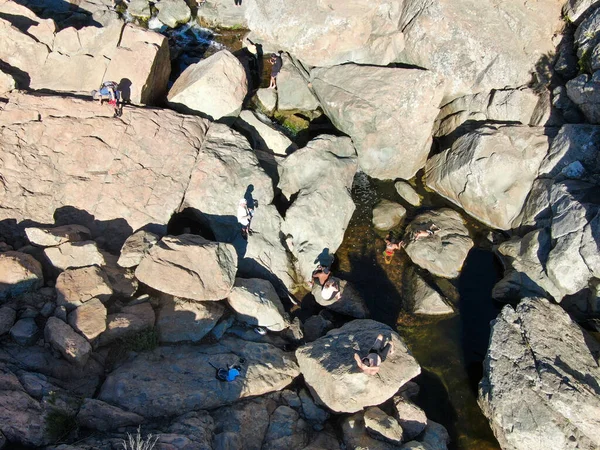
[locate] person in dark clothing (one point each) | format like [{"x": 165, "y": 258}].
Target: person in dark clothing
[
  {"x": 238, "y": 2},
  {"x": 277, "y": 62}
]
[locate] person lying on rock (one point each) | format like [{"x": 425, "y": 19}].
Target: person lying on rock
[
  {"x": 276, "y": 62},
  {"x": 392, "y": 244},
  {"x": 425, "y": 233},
  {"x": 379, "y": 352},
  {"x": 331, "y": 289}
]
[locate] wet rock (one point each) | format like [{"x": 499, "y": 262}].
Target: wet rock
[
  {"x": 286, "y": 430},
  {"x": 136, "y": 247},
  {"x": 89, "y": 319},
  {"x": 392, "y": 139},
  {"x": 330, "y": 371},
  {"x": 536, "y": 348},
  {"x": 195, "y": 90},
  {"x": 20, "y": 273},
  {"x": 130, "y": 321},
  {"x": 189, "y": 266},
  {"x": 7, "y": 319},
  {"x": 179, "y": 379},
  {"x": 420, "y": 298},
  {"x": 350, "y": 302},
  {"x": 293, "y": 92},
  {"x": 444, "y": 253},
  {"x": 585, "y": 93},
  {"x": 264, "y": 135},
  {"x": 489, "y": 172},
  {"x": 244, "y": 422},
  {"x": 387, "y": 215},
  {"x": 64, "y": 339},
  {"x": 411, "y": 418},
  {"x": 183, "y": 320},
  {"x": 267, "y": 99},
  {"x": 381, "y": 426},
  {"x": 173, "y": 12},
  {"x": 355, "y": 434},
  {"x": 407, "y": 192},
  {"x": 256, "y": 303},
  {"x": 25, "y": 332},
  {"x": 74, "y": 287},
  {"x": 72, "y": 255},
  {"x": 50, "y": 237},
  {"x": 97, "y": 415}
]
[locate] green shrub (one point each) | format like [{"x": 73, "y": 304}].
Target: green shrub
[
  {"x": 585, "y": 62},
  {"x": 142, "y": 341},
  {"x": 59, "y": 424}
]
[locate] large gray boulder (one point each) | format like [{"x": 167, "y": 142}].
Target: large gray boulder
[
  {"x": 264, "y": 136},
  {"x": 355, "y": 434},
  {"x": 444, "y": 253},
  {"x": 19, "y": 273},
  {"x": 64, "y": 339},
  {"x": 293, "y": 92},
  {"x": 540, "y": 380},
  {"x": 445, "y": 36},
  {"x": 573, "y": 10},
  {"x": 387, "y": 214},
  {"x": 189, "y": 266},
  {"x": 383, "y": 427},
  {"x": 584, "y": 92},
  {"x": 223, "y": 13},
  {"x": 489, "y": 172},
  {"x": 411, "y": 418},
  {"x": 180, "y": 379},
  {"x": 256, "y": 303},
  {"x": 420, "y": 298},
  {"x": 328, "y": 34},
  {"x": 286, "y": 430},
  {"x": 184, "y": 320},
  {"x": 135, "y": 248},
  {"x": 388, "y": 112},
  {"x": 331, "y": 373},
  {"x": 196, "y": 91},
  {"x": 244, "y": 422},
  {"x": 173, "y": 12}
]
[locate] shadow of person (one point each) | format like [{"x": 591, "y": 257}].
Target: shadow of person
[
  {"x": 325, "y": 259},
  {"x": 125, "y": 90},
  {"x": 248, "y": 196}
]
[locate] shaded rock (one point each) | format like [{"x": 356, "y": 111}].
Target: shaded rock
[
  {"x": 2, "y": 441},
  {"x": 245, "y": 422},
  {"x": 264, "y": 135},
  {"x": 540, "y": 379},
  {"x": 489, "y": 172},
  {"x": 381, "y": 426},
  {"x": 74, "y": 287},
  {"x": 72, "y": 346},
  {"x": 256, "y": 303},
  {"x": 411, "y": 418},
  {"x": 575, "y": 9},
  {"x": 179, "y": 379},
  {"x": 444, "y": 253},
  {"x": 350, "y": 303},
  {"x": 223, "y": 13},
  {"x": 72, "y": 255},
  {"x": 25, "y": 332},
  {"x": 221, "y": 328},
  {"x": 420, "y": 298},
  {"x": 189, "y": 266},
  {"x": 135, "y": 248},
  {"x": 286, "y": 430},
  {"x": 89, "y": 319},
  {"x": 315, "y": 327},
  {"x": 367, "y": 35},
  {"x": 49, "y": 237},
  {"x": 408, "y": 193},
  {"x": 267, "y": 99},
  {"x": 121, "y": 279},
  {"x": 355, "y": 434},
  {"x": 324, "y": 440},
  {"x": 585, "y": 93},
  {"x": 60, "y": 312},
  {"x": 387, "y": 215},
  {"x": 183, "y": 320},
  {"x": 195, "y": 427},
  {"x": 130, "y": 321},
  {"x": 173, "y": 12},
  {"x": 293, "y": 92},
  {"x": 435, "y": 436},
  {"x": 97, "y": 415},
  {"x": 330, "y": 371},
  {"x": 392, "y": 139},
  {"x": 311, "y": 412},
  {"x": 19, "y": 273},
  {"x": 196, "y": 91},
  {"x": 7, "y": 319}
]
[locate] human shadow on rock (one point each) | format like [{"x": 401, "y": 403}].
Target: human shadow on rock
[{"x": 65, "y": 14}]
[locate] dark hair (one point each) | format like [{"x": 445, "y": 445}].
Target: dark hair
[{"x": 366, "y": 361}]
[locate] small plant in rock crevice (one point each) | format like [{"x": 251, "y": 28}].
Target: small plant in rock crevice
[
  {"x": 142, "y": 341},
  {"x": 137, "y": 442}
]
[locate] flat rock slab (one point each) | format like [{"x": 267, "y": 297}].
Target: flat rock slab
[
  {"x": 74, "y": 287},
  {"x": 50, "y": 237},
  {"x": 97, "y": 415},
  {"x": 185, "y": 320},
  {"x": 128, "y": 322},
  {"x": 189, "y": 266},
  {"x": 89, "y": 319},
  {"x": 330, "y": 371},
  {"x": 256, "y": 303},
  {"x": 71, "y": 255},
  {"x": 64, "y": 339},
  {"x": 173, "y": 380},
  {"x": 19, "y": 273},
  {"x": 444, "y": 253}
]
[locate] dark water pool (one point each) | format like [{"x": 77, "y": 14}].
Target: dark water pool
[{"x": 450, "y": 350}]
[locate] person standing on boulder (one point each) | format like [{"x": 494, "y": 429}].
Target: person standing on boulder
[
  {"x": 276, "y": 62},
  {"x": 244, "y": 216},
  {"x": 371, "y": 363}
]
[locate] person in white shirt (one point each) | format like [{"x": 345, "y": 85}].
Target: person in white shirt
[{"x": 244, "y": 216}]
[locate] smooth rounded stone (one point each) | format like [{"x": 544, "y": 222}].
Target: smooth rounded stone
[
  {"x": 383, "y": 427},
  {"x": 135, "y": 248},
  {"x": 256, "y": 303},
  {"x": 421, "y": 298},
  {"x": 25, "y": 332},
  {"x": 536, "y": 347},
  {"x": 263, "y": 133},
  {"x": 130, "y": 321},
  {"x": 267, "y": 99},
  {"x": 180, "y": 320},
  {"x": 411, "y": 418},
  {"x": 50, "y": 237},
  {"x": 19, "y": 273},
  {"x": 293, "y": 92},
  {"x": 139, "y": 8},
  {"x": 368, "y": 34},
  {"x": 444, "y": 253},
  {"x": 223, "y": 13},
  {"x": 490, "y": 171},
  {"x": 7, "y": 84},
  {"x": 247, "y": 420},
  {"x": 173, "y": 12},
  {"x": 387, "y": 215},
  {"x": 350, "y": 302},
  {"x": 392, "y": 139},
  {"x": 97, "y": 415},
  {"x": 311, "y": 412},
  {"x": 189, "y": 266},
  {"x": 286, "y": 430},
  {"x": 47, "y": 309},
  {"x": 89, "y": 319},
  {"x": 64, "y": 339},
  {"x": 7, "y": 319},
  {"x": 355, "y": 434},
  {"x": 196, "y": 91},
  {"x": 74, "y": 287},
  {"x": 331, "y": 373},
  {"x": 435, "y": 436},
  {"x": 73, "y": 255},
  {"x": 585, "y": 93},
  {"x": 408, "y": 193},
  {"x": 179, "y": 379},
  {"x": 315, "y": 327}
]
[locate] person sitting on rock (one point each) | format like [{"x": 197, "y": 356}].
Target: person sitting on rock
[
  {"x": 276, "y": 62},
  {"x": 371, "y": 363},
  {"x": 331, "y": 289},
  {"x": 391, "y": 245},
  {"x": 320, "y": 275}
]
